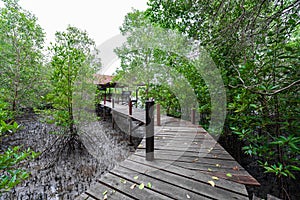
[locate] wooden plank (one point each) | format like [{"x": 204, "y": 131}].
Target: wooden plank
[
  {"x": 189, "y": 180},
  {"x": 185, "y": 156},
  {"x": 239, "y": 176},
  {"x": 195, "y": 159},
  {"x": 97, "y": 191},
  {"x": 157, "y": 185},
  {"x": 120, "y": 183},
  {"x": 194, "y": 152},
  {"x": 199, "y": 176},
  {"x": 212, "y": 154}
]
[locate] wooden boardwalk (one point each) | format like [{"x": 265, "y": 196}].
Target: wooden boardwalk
[{"x": 188, "y": 164}]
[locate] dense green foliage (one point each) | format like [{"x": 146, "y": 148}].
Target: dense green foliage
[
  {"x": 256, "y": 46},
  {"x": 10, "y": 174},
  {"x": 72, "y": 65},
  {"x": 21, "y": 43}
]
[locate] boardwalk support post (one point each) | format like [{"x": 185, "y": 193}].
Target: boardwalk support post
[
  {"x": 130, "y": 120},
  {"x": 158, "y": 114},
  {"x": 150, "y": 130},
  {"x": 112, "y": 115},
  {"x": 130, "y": 130},
  {"x": 193, "y": 116},
  {"x": 130, "y": 106},
  {"x": 113, "y": 103}
]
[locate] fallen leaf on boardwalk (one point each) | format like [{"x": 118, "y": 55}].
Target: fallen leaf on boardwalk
[
  {"x": 140, "y": 146},
  {"x": 215, "y": 178},
  {"x": 229, "y": 175},
  {"x": 123, "y": 181},
  {"x": 236, "y": 168},
  {"x": 136, "y": 177},
  {"x": 218, "y": 165},
  {"x": 211, "y": 183},
  {"x": 133, "y": 186},
  {"x": 149, "y": 185},
  {"x": 141, "y": 186},
  {"x": 105, "y": 197},
  {"x": 209, "y": 150},
  {"x": 196, "y": 160},
  {"x": 105, "y": 192},
  {"x": 188, "y": 196},
  {"x": 209, "y": 169}
]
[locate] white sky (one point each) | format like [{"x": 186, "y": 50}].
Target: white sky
[{"x": 101, "y": 19}]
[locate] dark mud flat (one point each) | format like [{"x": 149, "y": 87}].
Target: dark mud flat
[{"x": 70, "y": 173}]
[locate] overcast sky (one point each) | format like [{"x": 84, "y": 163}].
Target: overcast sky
[{"x": 100, "y": 18}]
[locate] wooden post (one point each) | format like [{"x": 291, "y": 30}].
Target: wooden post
[
  {"x": 150, "y": 130},
  {"x": 130, "y": 106},
  {"x": 136, "y": 97},
  {"x": 118, "y": 98},
  {"x": 104, "y": 113},
  {"x": 112, "y": 102},
  {"x": 193, "y": 116},
  {"x": 130, "y": 130},
  {"x": 105, "y": 96},
  {"x": 112, "y": 115},
  {"x": 158, "y": 114}
]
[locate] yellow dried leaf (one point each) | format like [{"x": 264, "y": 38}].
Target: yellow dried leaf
[
  {"x": 215, "y": 178},
  {"x": 211, "y": 183},
  {"x": 105, "y": 197},
  {"x": 209, "y": 169},
  {"x": 188, "y": 196},
  {"x": 218, "y": 165}
]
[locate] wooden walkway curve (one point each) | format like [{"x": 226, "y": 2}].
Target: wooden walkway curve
[{"x": 186, "y": 166}]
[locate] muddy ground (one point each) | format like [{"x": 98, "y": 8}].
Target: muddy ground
[{"x": 67, "y": 175}]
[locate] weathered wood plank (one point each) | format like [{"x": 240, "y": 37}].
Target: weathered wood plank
[
  {"x": 157, "y": 184},
  {"x": 189, "y": 180},
  {"x": 194, "y": 159},
  {"x": 239, "y": 174},
  {"x": 120, "y": 183},
  {"x": 98, "y": 191},
  {"x": 212, "y": 154}
]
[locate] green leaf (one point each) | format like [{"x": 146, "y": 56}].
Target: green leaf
[
  {"x": 229, "y": 175},
  {"x": 149, "y": 185},
  {"x": 141, "y": 186}
]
